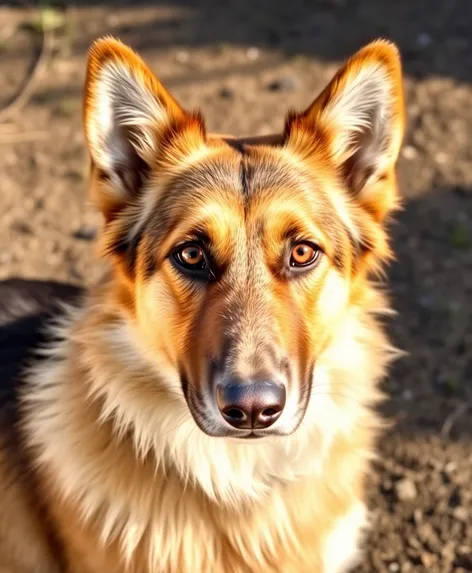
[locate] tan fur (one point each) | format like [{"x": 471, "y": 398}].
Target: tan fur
[{"x": 129, "y": 481}]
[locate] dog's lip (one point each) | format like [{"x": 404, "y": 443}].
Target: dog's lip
[{"x": 252, "y": 436}]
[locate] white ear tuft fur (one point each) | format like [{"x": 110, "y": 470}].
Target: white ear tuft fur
[
  {"x": 126, "y": 113},
  {"x": 360, "y": 116},
  {"x": 126, "y": 108}
]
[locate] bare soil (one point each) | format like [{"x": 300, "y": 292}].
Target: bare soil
[{"x": 244, "y": 63}]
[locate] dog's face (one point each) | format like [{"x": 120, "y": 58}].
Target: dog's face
[{"x": 237, "y": 260}]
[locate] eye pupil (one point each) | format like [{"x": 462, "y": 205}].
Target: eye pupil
[{"x": 191, "y": 255}]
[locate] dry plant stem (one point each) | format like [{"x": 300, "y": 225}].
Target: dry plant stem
[
  {"x": 453, "y": 417},
  {"x": 26, "y": 91}
]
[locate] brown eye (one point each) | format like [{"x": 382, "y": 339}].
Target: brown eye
[
  {"x": 190, "y": 257},
  {"x": 303, "y": 255}
]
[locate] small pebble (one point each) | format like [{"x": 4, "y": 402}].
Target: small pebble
[
  {"x": 286, "y": 83},
  {"x": 113, "y": 20},
  {"x": 182, "y": 56},
  {"x": 226, "y": 93},
  {"x": 85, "y": 233},
  {"x": 450, "y": 467},
  {"x": 423, "y": 40},
  {"x": 408, "y": 395},
  {"x": 425, "y": 301},
  {"x": 441, "y": 158},
  {"x": 461, "y": 514},
  {"x": 426, "y": 532},
  {"x": 428, "y": 559},
  {"x": 418, "y": 516},
  {"x": 253, "y": 54},
  {"x": 413, "y": 542},
  {"x": 5, "y": 258},
  {"x": 11, "y": 158},
  {"x": 21, "y": 228},
  {"x": 405, "y": 490},
  {"x": 464, "y": 550},
  {"x": 409, "y": 152}
]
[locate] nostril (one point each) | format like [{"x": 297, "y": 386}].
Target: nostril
[
  {"x": 234, "y": 413},
  {"x": 269, "y": 412}
]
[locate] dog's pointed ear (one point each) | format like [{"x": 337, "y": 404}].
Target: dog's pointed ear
[
  {"x": 129, "y": 116},
  {"x": 359, "y": 120}
]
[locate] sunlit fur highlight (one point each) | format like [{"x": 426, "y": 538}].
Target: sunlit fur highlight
[{"x": 130, "y": 482}]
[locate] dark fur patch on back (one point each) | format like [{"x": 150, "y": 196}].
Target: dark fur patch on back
[{"x": 25, "y": 308}]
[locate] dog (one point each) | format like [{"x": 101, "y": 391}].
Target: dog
[{"x": 209, "y": 405}]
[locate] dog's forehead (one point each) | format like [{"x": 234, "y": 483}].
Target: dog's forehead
[
  {"x": 237, "y": 185},
  {"x": 238, "y": 173}
]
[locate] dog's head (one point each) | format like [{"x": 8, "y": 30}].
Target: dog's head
[{"x": 237, "y": 260}]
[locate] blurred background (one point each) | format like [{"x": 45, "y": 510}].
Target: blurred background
[{"x": 244, "y": 63}]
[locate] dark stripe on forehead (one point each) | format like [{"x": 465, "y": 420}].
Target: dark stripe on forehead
[
  {"x": 237, "y": 145},
  {"x": 246, "y": 177},
  {"x": 245, "y": 167}
]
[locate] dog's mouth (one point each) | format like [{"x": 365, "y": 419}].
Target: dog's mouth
[{"x": 253, "y": 436}]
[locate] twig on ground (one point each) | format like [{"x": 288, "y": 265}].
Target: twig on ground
[
  {"x": 27, "y": 89},
  {"x": 453, "y": 417}
]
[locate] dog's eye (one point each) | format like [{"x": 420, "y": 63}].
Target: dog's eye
[
  {"x": 191, "y": 257},
  {"x": 304, "y": 255}
]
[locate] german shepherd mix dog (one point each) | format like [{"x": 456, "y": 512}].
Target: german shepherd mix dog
[{"x": 207, "y": 407}]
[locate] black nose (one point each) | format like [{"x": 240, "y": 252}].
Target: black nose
[{"x": 251, "y": 405}]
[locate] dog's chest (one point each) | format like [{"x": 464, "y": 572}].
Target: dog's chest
[{"x": 244, "y": 544}]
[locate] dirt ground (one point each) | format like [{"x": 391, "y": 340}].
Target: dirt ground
[{"x": 244, "y": 62}]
